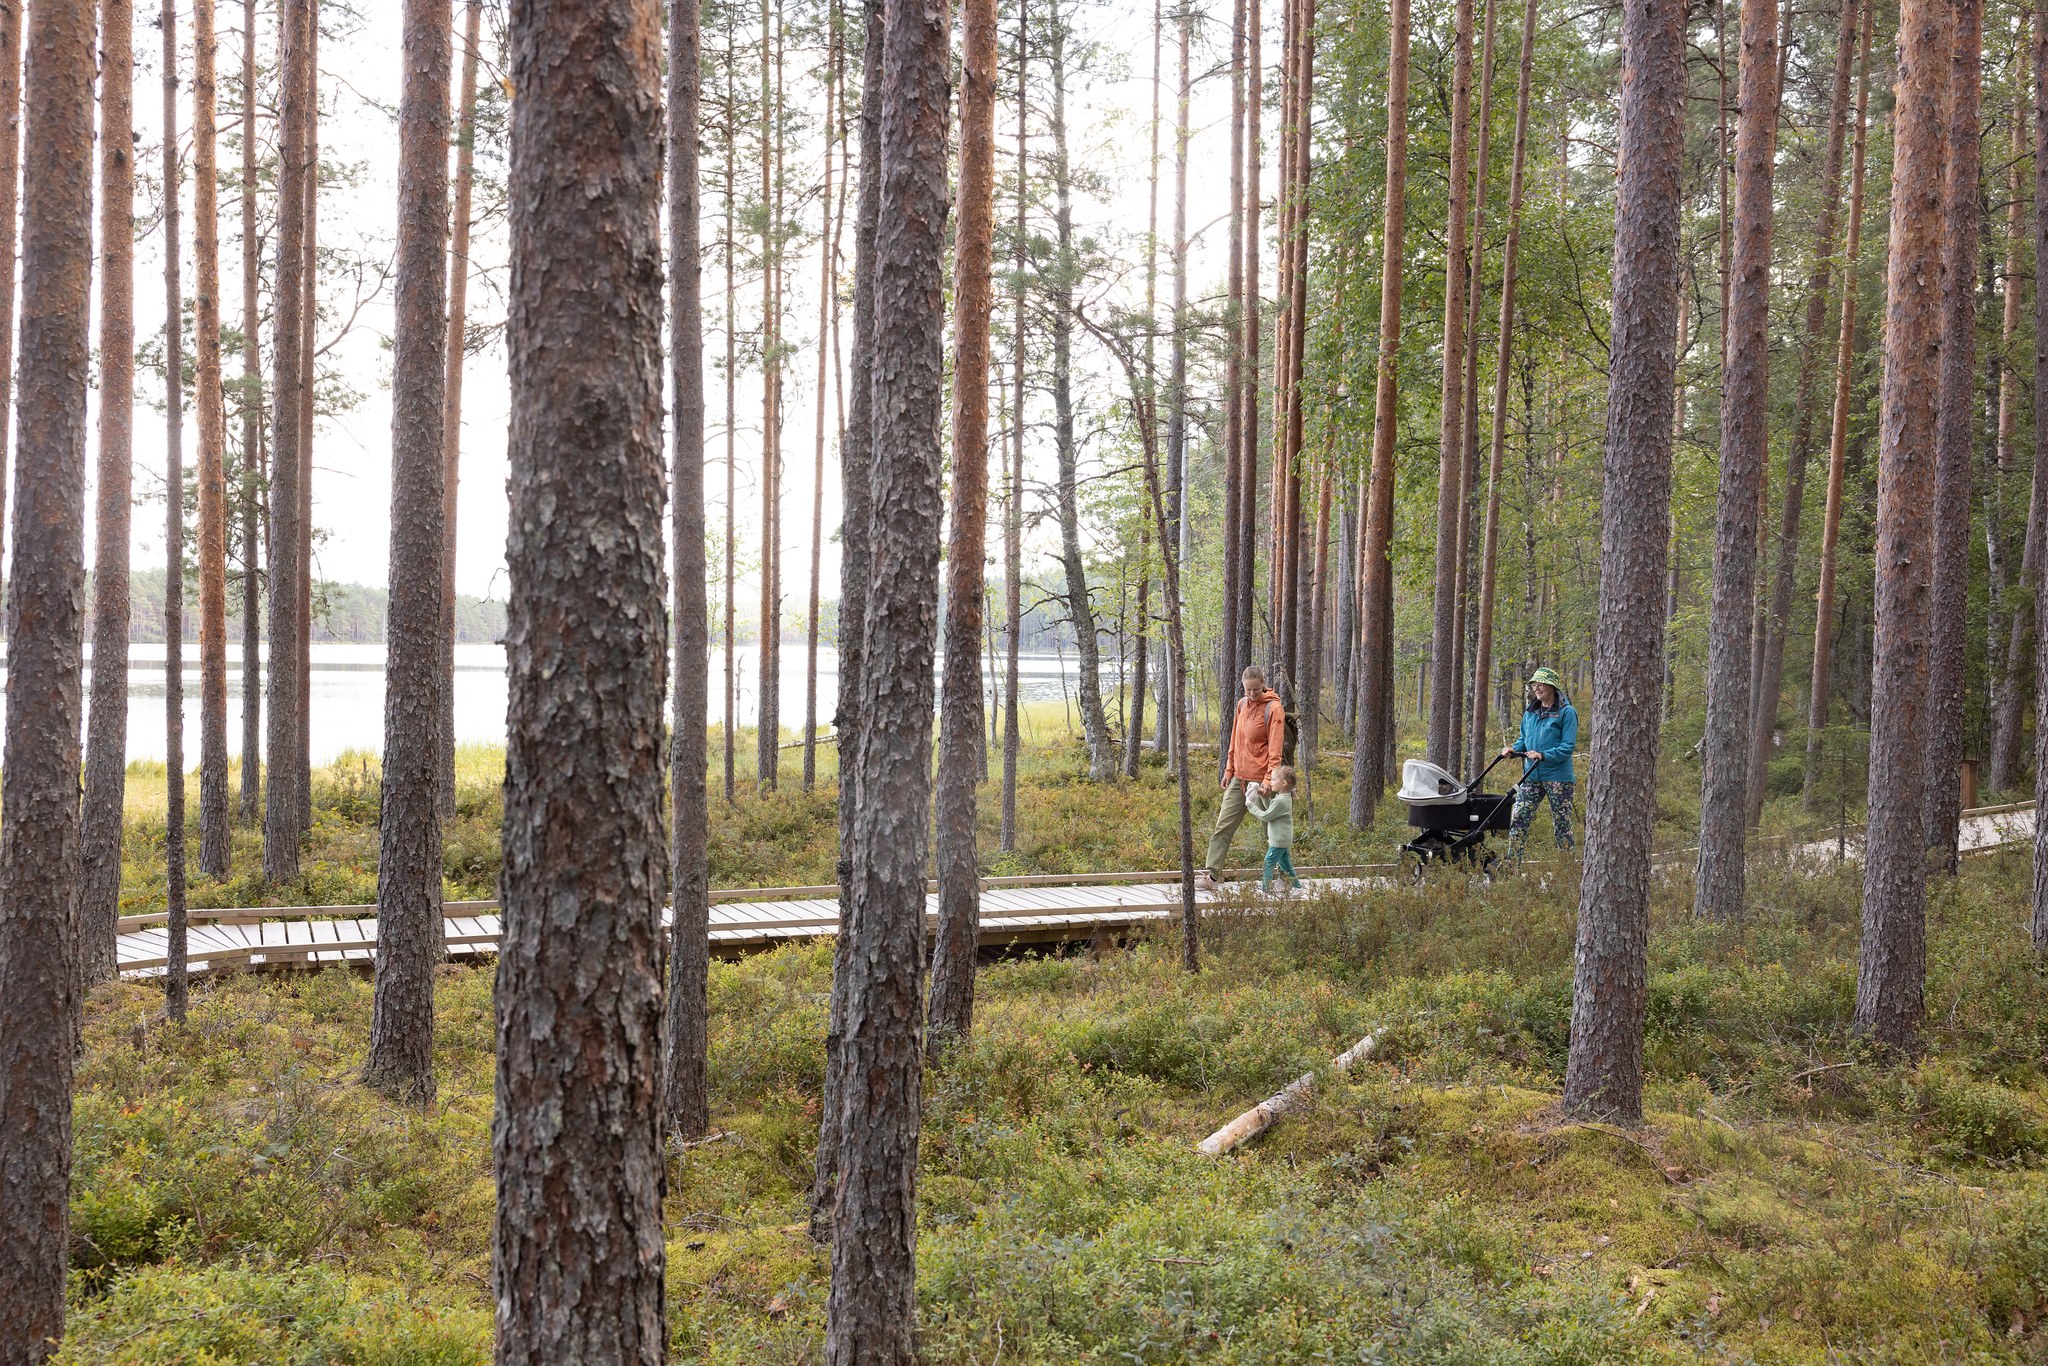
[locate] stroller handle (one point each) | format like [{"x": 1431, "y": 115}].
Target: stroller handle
[{"x": 1526, "y": 766}]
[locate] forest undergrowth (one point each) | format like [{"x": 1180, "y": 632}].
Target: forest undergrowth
[{"x": 239, "y": 1197}]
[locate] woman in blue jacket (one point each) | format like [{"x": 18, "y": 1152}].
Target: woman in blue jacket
[{"x": 1550, "y": 732}]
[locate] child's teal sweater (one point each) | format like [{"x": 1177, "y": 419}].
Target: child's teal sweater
[{"x": 1276, "y": 809}]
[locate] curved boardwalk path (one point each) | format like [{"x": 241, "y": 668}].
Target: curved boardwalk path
[{"x": 1050, "y": 908}]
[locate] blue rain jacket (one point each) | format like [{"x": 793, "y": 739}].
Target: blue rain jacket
[{"x": 1555, "y": 734}]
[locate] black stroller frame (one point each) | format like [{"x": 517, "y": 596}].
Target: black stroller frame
[{"x": 1455, "y": 832}]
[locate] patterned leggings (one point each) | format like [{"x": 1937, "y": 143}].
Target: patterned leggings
[{"x": 1528, "y": 797}]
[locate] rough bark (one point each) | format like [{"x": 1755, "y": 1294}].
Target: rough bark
[
  {"x": 871, "y": 1315},
  {"x": 1174, "y": 540},
  {"x": 1374, "y": 671},
  {"x": 212, "y": 550},
  {"x": 106, "y": 742},
  {"x": 286, "y": 778},
  {"x": 309, "y": 318},
  {"x": 10, "y": 205},
  {"x": 1604, "y": 1072},
  {"x": 1954, "y": 439},
  {"x": 727, "y": 246},
  {"x": 1482, "y": 655},
  {"x": 1247, "y": 338},
  {"x": 1229, "y": 665},
  {"x": 1838, "y": 441},
  {"x": 451, "y": 422},
  {"x": 174, "y": 539},
  {"x": 252, "y": 440},
  {"x": 951, "y": 1014},
  {"x": 856, "y": 570},
  {"x": 686, "y": 1087},
  {"x": 1777, "y": 622},
  {"x": 1444, "y": 643},
  {"x": 577, "y": 1133},
  {"x": 1745, "y": 462},
  {"x": 1892, "y": 958},
  {"x": 39, "y": 791},
  {"x": 2039, "y": 920},
  {"x": 401, "y": 1055},
  {"x": 1013, "y": 504}
]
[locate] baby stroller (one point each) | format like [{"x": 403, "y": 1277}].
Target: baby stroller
[{"x": 1452, "y": 819}]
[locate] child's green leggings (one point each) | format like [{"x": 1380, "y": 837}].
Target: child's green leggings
[{"x": 1278, "y": 861}]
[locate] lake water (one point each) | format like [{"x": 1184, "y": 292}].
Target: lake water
[{"x": 347, "y": 692}]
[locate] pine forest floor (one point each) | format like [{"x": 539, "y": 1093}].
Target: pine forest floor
[{"x": 238, "y": 1197}]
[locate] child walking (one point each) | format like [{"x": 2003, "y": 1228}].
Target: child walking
[{"x": 1273, "y": 803}]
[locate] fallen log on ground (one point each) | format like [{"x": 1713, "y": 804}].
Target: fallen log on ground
[{"x": 1261, "y": 1117}]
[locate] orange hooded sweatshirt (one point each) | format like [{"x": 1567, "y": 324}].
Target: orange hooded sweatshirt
[{"x": 1258, "y": 736}]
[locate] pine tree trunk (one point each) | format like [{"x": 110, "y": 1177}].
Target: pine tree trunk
[
  {"x": 1482, "y": 655},
  {"x": 1450, "y": 509},
  {"x": 826, "y": 294},
  {"x": 401, "y": 1056},
  {"x": 1838, "y": 442},
  {"x": 1094, "y": 721},
  {"x": 1230, "y": 661},
  {"x": 1954, "y": 441},
  {"x": 10, "y": 206},
  {"x": 212, "y": 476},
  {"x": 1604, "y": 1072},
  {"x": 768, "y": 696},
  {"x": 2037, "y": 517},
  {"x": 451, "y": 422},
  {"x": 727, "y": 247},
  {"x": 174, "y": 540},
  {"x": 686, "y": 1086},
  {"x": 856, "y": 570},
  {"x": 1778, "y": 621},
  {"x": 1013, "y": 506},
  {"x": 871, "y": 1315},
  {"x": 1745, "y": 454},
  {"x": 1174, "y": 540},
  {"x": 1375, "y": 669},
  {"x": 1248, "y": 339},
  {"x": 1464, "y": 628},
  {"x": 960, "y": 714},
  {"x": 309, "y": 318},
  {"x": 252, "y": 441},
  {"x": 286, "y": 777},
  {"x": 1891, "y": 968},
  {"x": 577, "y": 1137},
  {"x": 2011, "y": 687},
  {"x": 39, "y": 792},
  {"x": 106, "y": 743}
]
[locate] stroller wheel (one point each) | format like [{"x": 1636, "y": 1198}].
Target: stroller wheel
[{"x": 1414, "y": 867}]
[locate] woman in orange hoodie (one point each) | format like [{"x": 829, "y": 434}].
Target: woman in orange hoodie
[{"x": 1258, "y": 736}]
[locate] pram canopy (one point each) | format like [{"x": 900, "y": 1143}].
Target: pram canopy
[{"x": 1424, "y": 784}]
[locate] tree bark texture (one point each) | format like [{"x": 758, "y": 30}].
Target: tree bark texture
[
  {"x": 686, "y": 1086},
  {"x": 577, "y": 1134},
  {"x": 174, "y": 538},
  {"x": 1955, "y": 430},
  {"x": 309, "y": 318},
  {"x": 856, "y": 570},
  {"x": 1604, "y": 1071},
  {"x": 1745, "y": 468},
  {"x": 768, "y": 688},
  {"x": 252, "y": 440},
  {"x": 1375, "y": 714},
  {"x": 951, "y": 1014},
  {"x": 2012, "y": 683},
  {"x": 1482, "y": 655},
  {"x": 1799, "y": 454},
  {"x": 871, "y": 1315},
  {"x": 2035, "y": 520},
  {"x": 401, "y": 1056},
  {"x": 39, "y": 788},
  {"x": 1229, "y": 662},
  {"x": 1013, "y": 504},
  {"x": 286, "y": 777},
  {"x": 1838, "y": 441},
  {"x": 208, "y": 398},
  {"x": 451, "y": 422},
  {"x": 106, "y": 742},
  {"x": 827, "y": 298},
  {"x": 10, "y": 207},
  {"x": 1450, "y": 510},
  {"x": 1892, "y": 958}
]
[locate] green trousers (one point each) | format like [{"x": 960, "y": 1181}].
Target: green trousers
[{"x": 1229, "y": 816}]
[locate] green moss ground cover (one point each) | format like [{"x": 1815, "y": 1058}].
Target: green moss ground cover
[{"x": 240, "y": 1198}]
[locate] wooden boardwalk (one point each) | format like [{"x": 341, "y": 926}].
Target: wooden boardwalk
[
  {"x": 1020, "y": 910},
  {"x": 1038, "y": 909}
]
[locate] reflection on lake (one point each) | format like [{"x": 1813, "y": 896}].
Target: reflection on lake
[{"x": 347, "y": 691}]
